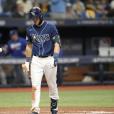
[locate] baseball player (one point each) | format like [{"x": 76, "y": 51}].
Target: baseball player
[
  {"x": 15, "y": 48},
  {"x": 16, "y": 45},
  {"x": 45, "y": 41}
]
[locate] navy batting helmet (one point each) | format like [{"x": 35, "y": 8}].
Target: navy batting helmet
[{"x": 35, "y": 12}]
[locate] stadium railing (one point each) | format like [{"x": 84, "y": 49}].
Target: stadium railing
[{"x": 76, "y": 61}]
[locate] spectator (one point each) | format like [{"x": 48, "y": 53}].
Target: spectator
[
  {"x": 9, "y": 6},
  {"x": 89, "y": 13},
  {"x": 104, "y": 3},
  {"x": 110, "y": 13},
  {"x": 72, "y": 1},
  {"x": 112, "y": 4},
  {"x": 16, "y": 46},
  {"x": 100, "y": 12},
  {"x": 1, "y": 8},
  {"x": 27, "y": 4},
  {"x": 19, "y": 13},
  {"x": 2, "y": 12},
  {"x": 35, "y": 3},
  {"x": 3, "y": 79},
  {"x": 58, "y": 8},
  {"x": 70, "y": 14},
  {"x": 45, "y": 8},
  {"x": 78, "y": 7},
  {"x": 89, "y": 2}
]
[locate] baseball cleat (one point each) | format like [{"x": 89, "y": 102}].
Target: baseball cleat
[
  {"x": 34, "y": 112},
  {"x": 54, "y": 112}
]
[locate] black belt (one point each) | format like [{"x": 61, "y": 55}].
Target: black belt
[{"x": 42, "y": 56}]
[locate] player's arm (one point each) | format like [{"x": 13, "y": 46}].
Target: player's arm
[
  {"x": 28, "y": 50},
  {"x": 28, "y": 54},
  {"x": 57, "y": 45},
  {"x": 26, "y": 65}
]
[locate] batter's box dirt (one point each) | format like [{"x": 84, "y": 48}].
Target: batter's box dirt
[
  {"x": 65, "y": 110},
  {"x": 59, "y": 113}
]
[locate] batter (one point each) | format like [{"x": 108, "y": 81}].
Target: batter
[{"x": 45, "y": 41}]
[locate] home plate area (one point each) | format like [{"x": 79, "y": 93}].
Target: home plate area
[{"x": 61, "y": 111}]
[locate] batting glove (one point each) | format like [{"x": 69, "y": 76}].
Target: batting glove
[
  {"x": 56, "y": 56},
  {"x": 26, "y": 68}
]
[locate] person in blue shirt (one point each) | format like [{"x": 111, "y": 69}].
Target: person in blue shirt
[
  {"x": 45, "y": 41},
  {"x": 58, "y": 8},
  {"x": 16, "y": 46}
]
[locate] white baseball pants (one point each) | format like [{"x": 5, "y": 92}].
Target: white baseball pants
[{"x": 40, "y": 66}]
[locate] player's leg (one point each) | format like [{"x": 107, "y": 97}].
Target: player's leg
[
  {"x": 50, "y": 73},
  {"x": 36, "y": 78}
]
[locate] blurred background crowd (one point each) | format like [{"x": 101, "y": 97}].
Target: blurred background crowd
[
  {"x": 74, "y": 20},
  {"x": 83, "y": 9}
]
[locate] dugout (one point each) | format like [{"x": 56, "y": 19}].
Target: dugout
[{"x": 80, "y": 40}]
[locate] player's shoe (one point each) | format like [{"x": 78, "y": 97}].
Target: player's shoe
[
  {"x": 34, "y": 112},
  {"x": 54, "y": 112}
]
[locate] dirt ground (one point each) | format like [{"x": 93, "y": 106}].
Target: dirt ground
[
  {"x": 65, "y": 110},
  {"x": 97, "y": 87}
]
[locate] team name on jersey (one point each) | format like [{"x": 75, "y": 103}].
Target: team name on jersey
[
  {"x": 15, "y": 46},
  {"x": 40, "y": 38}
]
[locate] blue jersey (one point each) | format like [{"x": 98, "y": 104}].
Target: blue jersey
[
  {"x": 17, "y": 48},
  {"x": 42, "y": 39}
]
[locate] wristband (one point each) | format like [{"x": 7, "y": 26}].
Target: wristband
[{"x": 56, "y": 56}]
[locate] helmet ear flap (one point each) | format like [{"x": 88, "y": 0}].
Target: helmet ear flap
[{"x": 32, "y": 13}]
